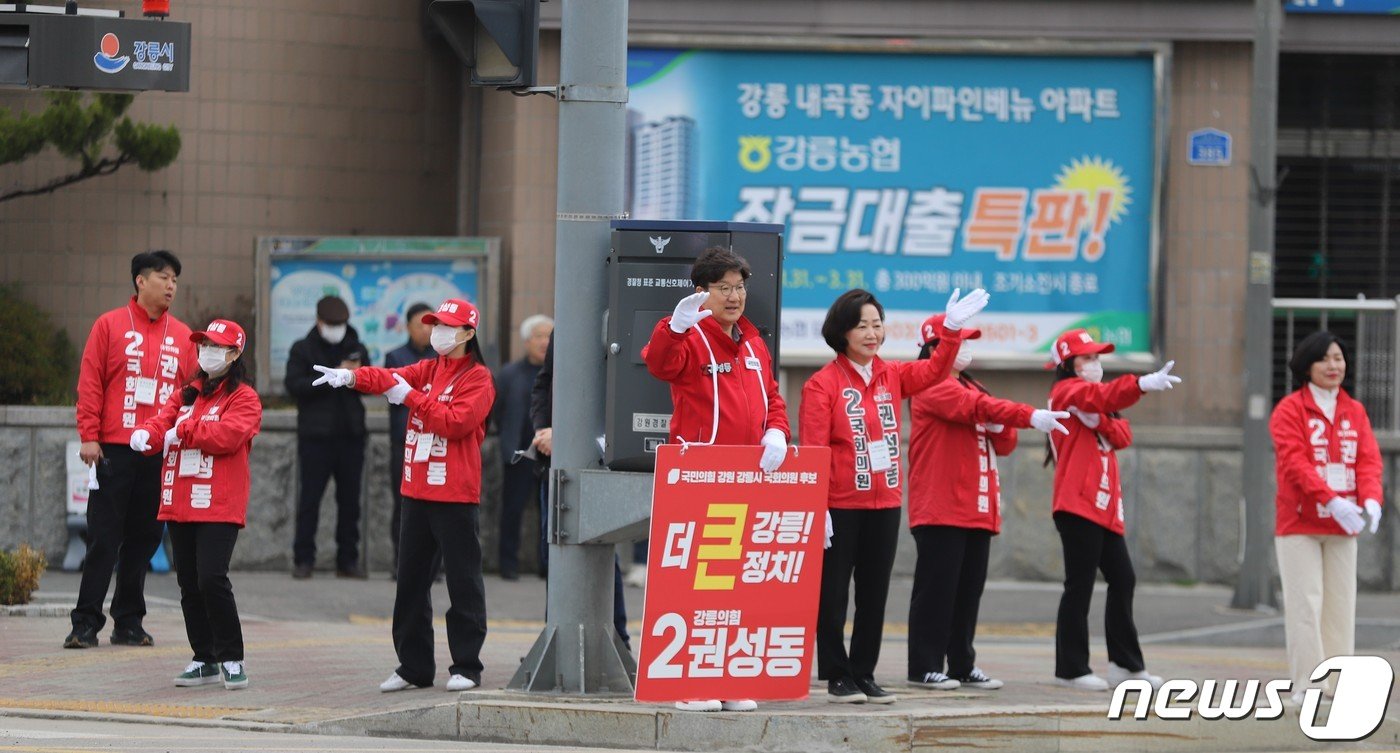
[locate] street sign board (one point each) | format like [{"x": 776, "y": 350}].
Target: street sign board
[{"x": 94, "y": 52}]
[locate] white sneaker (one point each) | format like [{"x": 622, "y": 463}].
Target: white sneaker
[
  {"x": 395, "y": 683},
  {"x": 637, "y": 576},
  {"x": 979, "y": 680},
  {"x": 741, "y": 705},
  {"x": 1117, "y": 675},
  {"x": 1090, "y": 681},
  {"x": 699, "y": 705},
  {"x": 460, "y": 682}
]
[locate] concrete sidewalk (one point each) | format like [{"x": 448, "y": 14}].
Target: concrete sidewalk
[{"x": 316, "y": 651}]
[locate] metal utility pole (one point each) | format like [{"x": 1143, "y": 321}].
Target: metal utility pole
[
  {"x": 1254, "y": 588},
  {"x": 579, "y": 651}
]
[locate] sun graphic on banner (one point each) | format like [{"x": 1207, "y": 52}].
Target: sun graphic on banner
[{"x": 1094, "y": 174}]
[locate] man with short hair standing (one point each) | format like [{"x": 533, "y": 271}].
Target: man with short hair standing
[
  {"x": 513, "y": 386},
  {"x": 418, "y": 348},
  {"x": 136, "y": 356},
  {"x": 330, "y": 438}
]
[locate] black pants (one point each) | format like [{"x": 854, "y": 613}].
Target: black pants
[
  {"x": 123, "y": 534},
  {"x": 1089, "y": 547},
  {"x": 321, "y": 458},
  {"x": 862, "y": 547},
  {"x": 426, "y": 529},
  {"x": 948, "y": 581},
  {"x": 520, "y": 488},
  {"x": 202, "y": 554}
]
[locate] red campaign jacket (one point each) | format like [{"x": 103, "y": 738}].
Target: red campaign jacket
[
  {"x": 840, "y": 411},
  {"x": 115, "y": 356},
  {"x": 1086, "y": 460},
  {"x": 1305, "y": 442},
  {"x": 749, "y": 401},
  {"x": 450, "y": 400},
  {"x": 953, "y": 478},
  {"x": 205, "y": 478}
]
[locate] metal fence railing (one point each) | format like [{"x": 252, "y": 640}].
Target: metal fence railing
[{"x": 1371, "y": 329}]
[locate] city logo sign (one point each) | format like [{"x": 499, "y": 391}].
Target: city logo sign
[
  {"x": 106, "y": 58},
  {"x": 1363, "y": 687}
]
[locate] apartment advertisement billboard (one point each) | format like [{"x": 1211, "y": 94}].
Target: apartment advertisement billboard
[{"x": 911, "y": 175}]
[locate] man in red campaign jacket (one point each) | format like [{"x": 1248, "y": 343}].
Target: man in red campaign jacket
[{"x": 135, "y": 358}]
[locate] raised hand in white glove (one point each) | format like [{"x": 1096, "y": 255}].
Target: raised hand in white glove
[
  {"x": 774, "y": 450},
  {"x": 333, "y": 377},
  {"x": 1049, "y": 420},
  {"x": 1090, "y": 420},
  {"x": 140, "y": 440},
  {"x": 958, "y": 311},
  {"x": 1373, "y": 509},
  {"x": 170, "y": 440},
  {"x": 1347, "y": 514},
  {"x": 399, "y": 391},
  {"x": 1159, "y": 380},
  {"x": 688, "y": 312},
  {"x": 830, "y": 529}
]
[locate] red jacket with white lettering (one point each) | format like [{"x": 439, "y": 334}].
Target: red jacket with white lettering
[
  {"x": 450, "y": 401},
  {"x": 841, "y": 411},
  {"x": 749, "y": 401},
  {"x": 1305, "y": 443},
  {"x": 1086, "y": 460},
  {"x": 953, "y": 478},
  {"x": 123, "y": 347},
  {"x": 205, "y": 478}
]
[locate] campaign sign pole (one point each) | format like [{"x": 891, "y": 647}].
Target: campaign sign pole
[{"x": 734, "y": 574}]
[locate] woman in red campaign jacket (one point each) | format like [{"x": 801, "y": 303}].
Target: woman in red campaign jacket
[
  {"x": 1326, "y": 460},
  {"x": 449, "y": 399},
  {"x": 205, "y": 432},
  {"x": 1088, "y": 508},
  {"x": 852, "y": 406},
  {"x": 957, "y": 430}
]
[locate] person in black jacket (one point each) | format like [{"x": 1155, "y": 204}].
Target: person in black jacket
[
  {"x": 416, "y": 349},
  {"x": 330, "y": 438},
  {"x": 514, "y": 396}
]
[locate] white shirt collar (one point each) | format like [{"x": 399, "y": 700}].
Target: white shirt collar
[
  {"x": 867, "y": 372},
  {"x": 1325, "y": 399}
]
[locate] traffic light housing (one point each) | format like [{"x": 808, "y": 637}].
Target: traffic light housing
[{"x": 497, "y": 39}]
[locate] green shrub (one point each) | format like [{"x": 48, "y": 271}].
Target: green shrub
[
  {"x": 39, "y": 361},
  {"x": 20, "y": 571}
]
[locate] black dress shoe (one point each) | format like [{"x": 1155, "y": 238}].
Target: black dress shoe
[
  {"x": 301, "y": 572},
  {"x": 510, "y": 575},
  {"x": 81, "y": 637},
  {"x": 132, "y": 637},
  {"x": 873, "y": 692},
  {"x": 354, "y": 572}
]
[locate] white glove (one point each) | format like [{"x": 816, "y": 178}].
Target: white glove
[
  {"x": 1373, "y": 509},
  {"x": 399, "y": 391},
  {"x": 1048, "y": 420},
  {"x": 1090, "y": 420},
  {"x": 1159, "y": 380},
  {"x": 830, "y": 529},
  {"x": 140, "y": 440},
  {"x": 957, "y": 312},
  {"x": 92, "y": 478},
  {"x": 994, "y": 428},
  {"x": 170, "y": 440},
  {"x": 333, "y": 377},
  {"x": 1347, "y": 514},
  {"x": 688, "y": 312},
  {"x": 774, "y": 450}
]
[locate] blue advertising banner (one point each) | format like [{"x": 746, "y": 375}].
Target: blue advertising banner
[
  {"x": 1367, "y": 7},
  {"x": 914, "y": 174}
]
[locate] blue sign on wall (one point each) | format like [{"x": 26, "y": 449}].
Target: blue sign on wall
[
  {"x": 911, "y": 175},
  {"x": 1369, "y": 7},
  {"x": 1209, "y": 146}
]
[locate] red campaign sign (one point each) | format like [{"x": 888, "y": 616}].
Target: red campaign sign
[{"x": 733, "y": 575}]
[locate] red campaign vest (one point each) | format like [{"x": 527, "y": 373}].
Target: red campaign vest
[
  {"x": 123, "y": 348},
  {"x": 1305, "y": 444},
  {"x": 1087, "y": 483},
  {"x": 205, "y": 478}
]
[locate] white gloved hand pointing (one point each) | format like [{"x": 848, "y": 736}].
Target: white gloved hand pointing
[
  {"x": 774, "y": 450},
  {"x": 399, "y": 391},
  {"x": 140, "y": 440},
  {"x": 1159, "y": 380},
  {"x": 1347, "y": 514},
  {"x": 1373, "y": 509},
  {"x": 688, "y": 312},
  {"x": 334, "y": 377},
  {"x": 1049, "y": 420},
  {"x": 958, "y": 311}
]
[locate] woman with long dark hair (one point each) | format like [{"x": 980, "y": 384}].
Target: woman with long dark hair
[
  {"x": 1327, "y": 461},
  {"x": 449, "y": 399},
  {"x": 205, "y": 431}
]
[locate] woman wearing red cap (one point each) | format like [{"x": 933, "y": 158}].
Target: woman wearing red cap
[
  {"x": 449, "y": 399},
  {"x": 852, "y": 406},
  {"x": 1088, "y": 508},
  {"x": 957, "y": 431},
  {"x": 205, "y": 431}
]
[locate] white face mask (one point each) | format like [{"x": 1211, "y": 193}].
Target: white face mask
[
  {"x": 1091, "y": 372},
  {"x": 962, "y": 360},
  {"x": 212, "y": 359},
  {"x": 332, "y": 333},
  {"x": 444, "y": 339}
]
